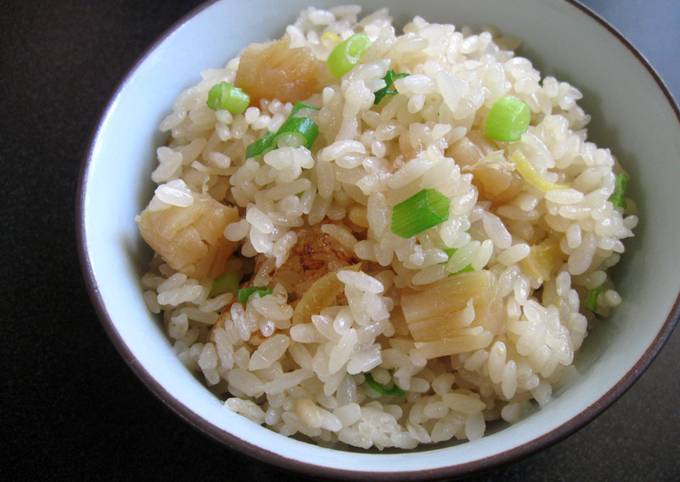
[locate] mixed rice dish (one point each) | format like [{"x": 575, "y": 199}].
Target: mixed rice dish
[{"x": 376, "y": 240}]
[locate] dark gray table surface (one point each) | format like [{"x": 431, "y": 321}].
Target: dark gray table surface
[{"x": 71, "y": 408}]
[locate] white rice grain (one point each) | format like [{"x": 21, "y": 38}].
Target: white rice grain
[
  {"x": 514, "y": 254},
  {"x": 361, "y": 281},
  {"x": 268, "y": 352},
  {"x": 496, "y": 231}
]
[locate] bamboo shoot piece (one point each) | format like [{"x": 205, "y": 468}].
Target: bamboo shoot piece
[
  {"x": 446, "y": 296},
  {"x": 458, "y": 309},
  {"x": 437, "y": 327},
  {"x": 454, "y": 345},
  {"x": 274, "y": 69},
  {"x": 544, "y": 260},
  {"x": 495, "y": 183},
  {"x": 190, "y": 239}
]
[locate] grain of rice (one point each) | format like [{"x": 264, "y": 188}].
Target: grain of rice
[
  {"x": 430, "y": 275},
  {"x": 564, "y": 196},
  {"x": 259, "y": 220},
  {"x": 172, "y": 282},
  {"x": 483, "y": 255},
  {"x": 287, "y": 381},
  {"x": 512, "y": 412},
  {"x": 497, "y": 357},
  {"x": 475, "y": 361},
  {"x": 496, "y": 231},
  {"x": 574, "y": 236},
  {"x": 612, "y": 298},
  {"x": 341, "y": 352},
  {"x": 268, "y": 352},
  {"x": 509, "y": 380},
  {"x": 361, "y": 281},
  {"x": 514, "y": 254},
  {"x": 177, "y": 296},
  {"x": 151, "y": 302},
  {"x": 245, "y": 382},
  {"x": 475, "y": 426},
  {"x": 436, "y": 410},
  {"x": 178, "y": 326},
  {"x": 463, "y": 257},
  {"x": 542, "y": 393},
  {"x": 246, "y": 408},
  {"x": 365, "y": 360},
  {"x": 463, "y": 403}
]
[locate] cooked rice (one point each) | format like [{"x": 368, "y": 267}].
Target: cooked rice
[{"x": 309, "y": 379}]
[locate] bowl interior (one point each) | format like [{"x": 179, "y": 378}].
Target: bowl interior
[{"x": 630, "y": 115}]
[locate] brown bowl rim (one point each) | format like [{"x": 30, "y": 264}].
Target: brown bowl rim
[{"x": 276, "y": 459}]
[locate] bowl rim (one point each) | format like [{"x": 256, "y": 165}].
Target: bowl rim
[{"x": 232, "y": 441}]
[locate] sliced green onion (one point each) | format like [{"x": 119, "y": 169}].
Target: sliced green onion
[
  {"x": 297, "y": 131},
  {"x": 508, "y": 119},
  {"x": 261, "y": 146},
  {"x": 389, "y": 88},
  {"x": 345, "y": 56},
  {"x": 618, "y": 197},
  {"x": 226, "y": 96},
  {"x": 450, "y": 251},
  {"x": 393, "y": 391},
  {"x": 591, "y": 300},
  {"x": 227, "y": 283},
  {"x": 419, "y": 213},
  {"x": 244, "y": 294}
]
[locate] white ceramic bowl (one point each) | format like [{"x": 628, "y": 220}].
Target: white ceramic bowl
[{"x": 632, "y": 112}]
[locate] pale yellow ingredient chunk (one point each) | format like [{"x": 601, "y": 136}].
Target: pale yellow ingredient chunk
[
  {"x": 437, "y": 314},
  {"x": 495, "y": 183},
  {"x": 544, "y": 260},
  {"x": 191, "y": 239},
  {"x": 275, "y": 71}
]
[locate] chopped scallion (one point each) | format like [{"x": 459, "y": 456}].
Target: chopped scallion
[
  {"x": 389, "y": 88},
  {"x": 591, "y": 300},
  {"x": 244, "y": 294},
  {"x": 393, "y": 391},
  {"x": 297, "y": 131},
  {"x": 618, "y": 197},
  {"x": 261, "y": 146},
  {"x": 419, "y": 213},
  {"x": 226, "y": 96},
  {"x": 227, "y": 283},
  {"x": 508, "y": 119},
  {"x": 345, "y": 56}
]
